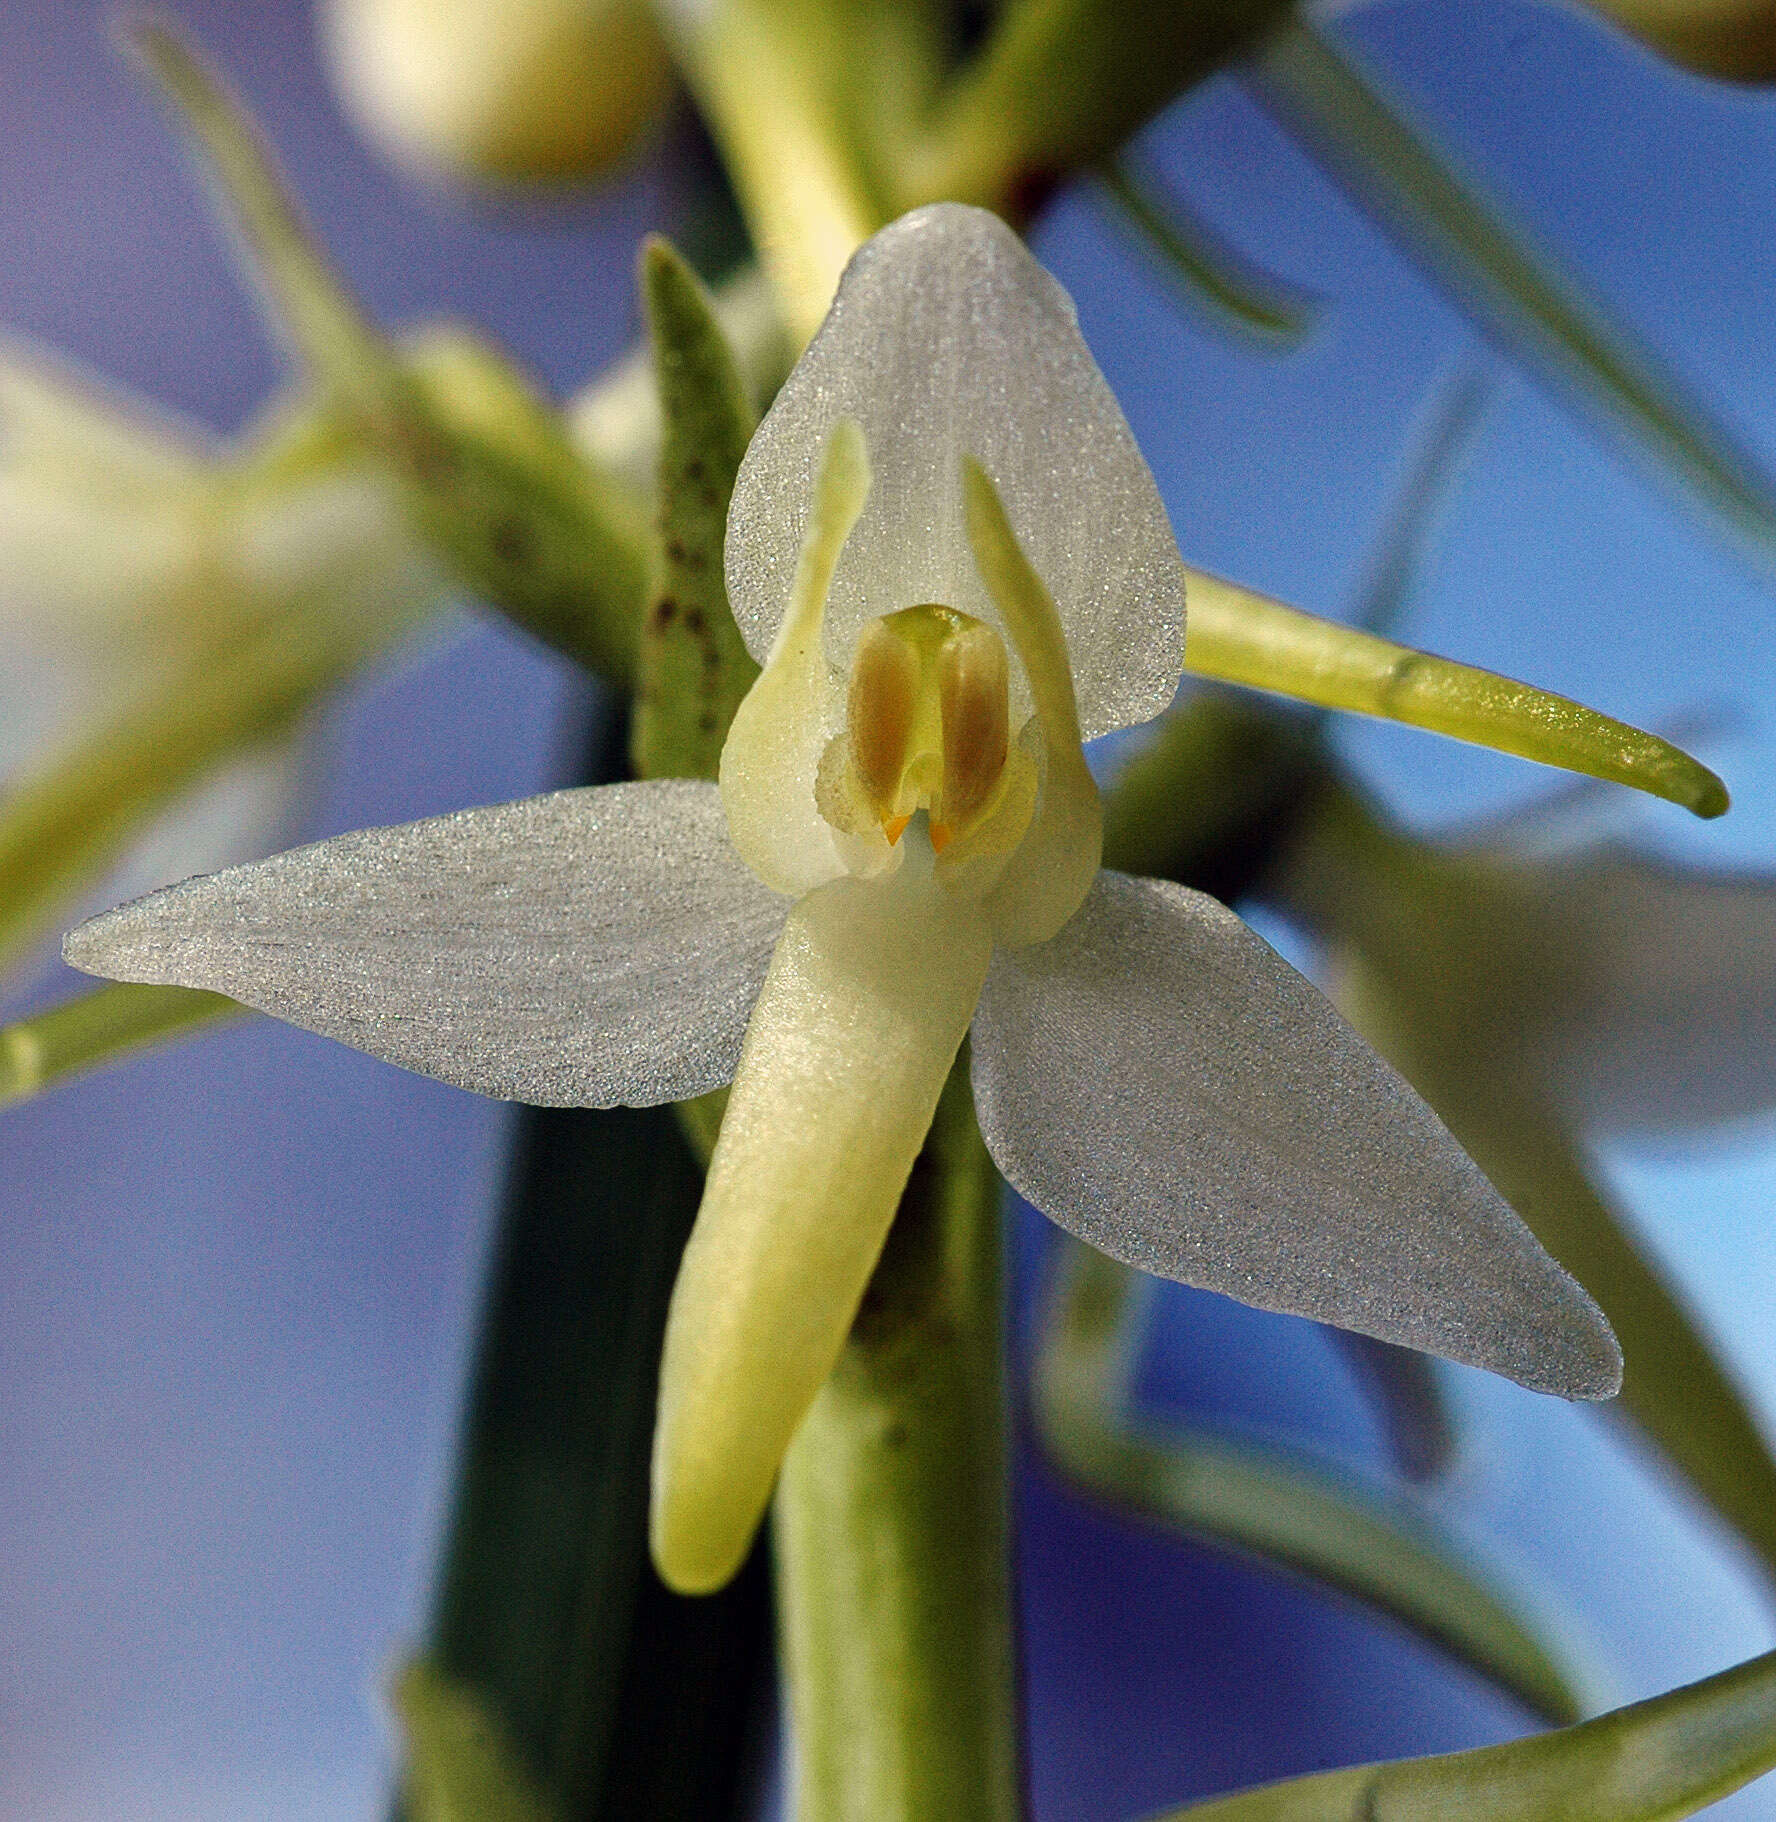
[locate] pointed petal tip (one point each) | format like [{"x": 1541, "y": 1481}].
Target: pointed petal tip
[
  {"x": 102, "y": 946},
  {"x": 1591, "y": 1370}
]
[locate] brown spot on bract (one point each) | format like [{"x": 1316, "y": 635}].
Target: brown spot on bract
[
  {"x": 509, "y": 540},
  {"x": 664, "y": 611}
]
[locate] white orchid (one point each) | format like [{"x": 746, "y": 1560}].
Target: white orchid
[
  {"x": 1622, "y": 993},
  {"x": 139, "y": 556},
  {"x": 904, "y": 842}
]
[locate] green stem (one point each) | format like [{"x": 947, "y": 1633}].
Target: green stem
[
  {"x": 99, "y": 1027},
  {"x": 768, "y": 92},
  {"x": 893, "y": 1569}
]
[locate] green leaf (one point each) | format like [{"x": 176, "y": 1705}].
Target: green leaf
[
  {"x": 1652, "y": 1762},
  {"x": 489, "y": 472},
  {"x": 1431, "y": 471},
  {"x": 458, "y": 1768},
  {"x": 1281, "y": 1508},
  {"x": 1239, "y": 636},
  {"x": 325, "y": 327},
  {"x": 1489, "y": 271},
  {"x": 692, "y": 666},
  {"x": 616, "y": 418},
  {"x": 99, "y": 1027},
  {"x": 1212, "y": 271}
]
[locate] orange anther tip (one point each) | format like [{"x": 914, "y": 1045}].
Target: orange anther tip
[
  {"x": 940, "y": 837},
  {"x": 894, "y": 827}
]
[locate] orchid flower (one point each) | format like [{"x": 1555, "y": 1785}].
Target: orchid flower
[
  {"x": 1627, "y": 994},
  {"x": 954, "y": 566},
  {"x": 139, "y": 558}
]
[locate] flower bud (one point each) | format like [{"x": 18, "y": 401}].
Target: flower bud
[
  {"x": 1734, "y": 40},
  {"x": 502, "y": 91}
]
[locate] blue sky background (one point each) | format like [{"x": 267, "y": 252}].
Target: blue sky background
[{"x": 235, "y": 1280}]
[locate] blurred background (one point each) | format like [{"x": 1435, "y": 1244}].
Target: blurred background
[{"x": 238, "y": 1277}]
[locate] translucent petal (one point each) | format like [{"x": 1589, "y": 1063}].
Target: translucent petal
[
  {"x": 1642, "y": 993},
  {"x": 1054, "y": 867},
  {"x": 947, "y": 338},
  {"x": 865, "y": 1006},
  {"x": 772, "y": 754},
  {"x": 64, "y": 426},
  {"x": 586, "y": 948},
  {"x": 1161, "y": 1083},
  {"x": 102, "y": 505}
]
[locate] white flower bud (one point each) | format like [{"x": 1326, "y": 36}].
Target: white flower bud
[{"x": 503, "y": 91}]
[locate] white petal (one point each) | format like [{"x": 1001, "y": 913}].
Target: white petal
[
  {"x": 947, "y": 338},
  {"x": 586, "y": 948},
  {"x": 865, "y": 1006},
  {"x": 1643, "y": 993},
  {"x": 1054, "y": 866},
  {"x": 772, "y": 754},
  {"x": 65, "y": 426},
  {"x": 1160, "y": 1082}
]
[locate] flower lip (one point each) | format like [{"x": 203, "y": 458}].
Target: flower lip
[{"x": 948, "y": 340}]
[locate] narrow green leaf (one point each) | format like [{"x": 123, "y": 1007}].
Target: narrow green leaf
[
  {"x": 1239, "y": 636},
  {"x": 99, "y": 1027},
  {"x": 68, "y": 820},
  {"x": 1212, "y": 270},
  {"x": 327, "y": 330},
  {"x": 1652, "y": 1762},
  {"x": 616, "y": 418},
  {"x": 489, "y": 472},
  {"x": 1513, "y": 294},
  {"x": 1430, "y": 476},
  {"x": 692, "y": 666},
  {"x": 459, "y": 1768},
  {"x": 1284, "y": 1509}
]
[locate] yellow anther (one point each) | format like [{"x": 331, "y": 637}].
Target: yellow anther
[
  {"x": 974, "y": 711},
  {"x": 928, "y": 728},
  {"x": 881, "y": 706}
]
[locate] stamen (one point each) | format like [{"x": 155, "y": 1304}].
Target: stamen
[
  {"x": 927, "y": 728},
  {"x": 880, "y": 708},
  {"x": 974, "y": 704}
]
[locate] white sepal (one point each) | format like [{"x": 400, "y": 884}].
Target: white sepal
[{"x": 587, "y": 948}]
